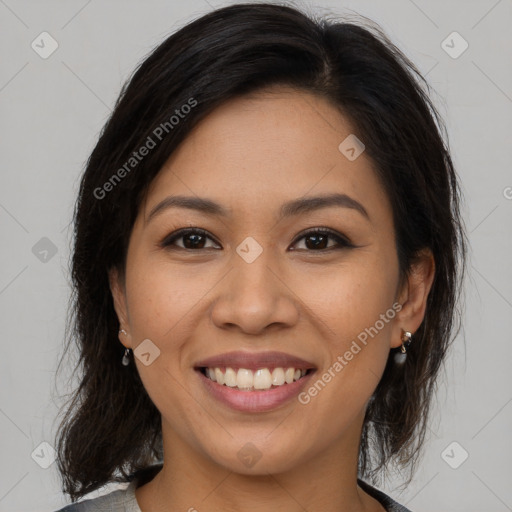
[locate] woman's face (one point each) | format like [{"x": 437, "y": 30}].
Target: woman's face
[{"x": 255, "y": 280}]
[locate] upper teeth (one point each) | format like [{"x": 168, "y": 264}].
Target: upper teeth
[{"x": 262, "y": 378}]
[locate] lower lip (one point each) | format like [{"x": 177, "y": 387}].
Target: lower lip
[{"x": 254, "y": 401}]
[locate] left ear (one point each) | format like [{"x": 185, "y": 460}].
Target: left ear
[{"x": 413, "y": 296}]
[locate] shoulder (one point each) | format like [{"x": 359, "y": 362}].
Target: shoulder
[
  {"x": 386, "y": 501},
  {"x": 120, "y": 500}
]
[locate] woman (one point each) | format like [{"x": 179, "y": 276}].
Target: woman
[{"x": 268, "y": 254}]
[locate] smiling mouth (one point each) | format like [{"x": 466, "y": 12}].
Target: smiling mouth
[{"x": 262, "y": 379}]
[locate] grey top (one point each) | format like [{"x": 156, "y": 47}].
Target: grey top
[{"x": 123, "y": 500}]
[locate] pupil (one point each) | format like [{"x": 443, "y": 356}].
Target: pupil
[
  {"x": 317, "y": 244},
  {"x": 195, "y": 240}
]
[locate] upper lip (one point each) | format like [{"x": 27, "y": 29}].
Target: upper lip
[{"x": 255, "y": 360}]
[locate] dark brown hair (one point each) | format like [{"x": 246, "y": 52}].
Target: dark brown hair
[{"x": 112, "y": 430}]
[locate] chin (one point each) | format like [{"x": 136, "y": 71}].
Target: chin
[{"x": 253, "y": 458}]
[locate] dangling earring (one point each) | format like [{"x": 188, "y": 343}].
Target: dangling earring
[
  {"x": 401, "y": 356},
  {"x": 126, "y": 360}
]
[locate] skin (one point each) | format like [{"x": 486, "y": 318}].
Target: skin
[{"x": 251, "y": 155}]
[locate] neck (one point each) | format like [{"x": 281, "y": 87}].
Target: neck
[{"x": 190, "y": 481}]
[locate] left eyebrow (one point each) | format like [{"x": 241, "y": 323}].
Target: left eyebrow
[
  {"x": 308, "y": 204},
  {"x": 289, "y": 209}
]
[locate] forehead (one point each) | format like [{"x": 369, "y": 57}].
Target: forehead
[{"x": 265, "y": 148}]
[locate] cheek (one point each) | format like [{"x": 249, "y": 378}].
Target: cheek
[
  {"x": 356, "y": 306},
  {"x": 161, "y": 297},
  {"x": 351, "y": 297},
  {"x": 161, "y": 302}
]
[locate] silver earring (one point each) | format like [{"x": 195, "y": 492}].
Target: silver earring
[
  {"x": 126, "y": 360},
  {"x": 401, "y": 356}
]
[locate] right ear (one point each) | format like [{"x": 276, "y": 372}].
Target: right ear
[{"x": 119, "y": 297}]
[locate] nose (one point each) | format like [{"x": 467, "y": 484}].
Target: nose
[{"x": 254, "y": 298}]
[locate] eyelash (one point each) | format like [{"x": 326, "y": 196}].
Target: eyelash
[{"x": 343, "y": 242}]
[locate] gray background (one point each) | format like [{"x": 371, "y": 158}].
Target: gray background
[{"x": 51, "y": 112}]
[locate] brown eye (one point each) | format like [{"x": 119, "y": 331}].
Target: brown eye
[
  {"x": 318, "y": 240},
  {"x": 192, "y": 238}
]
